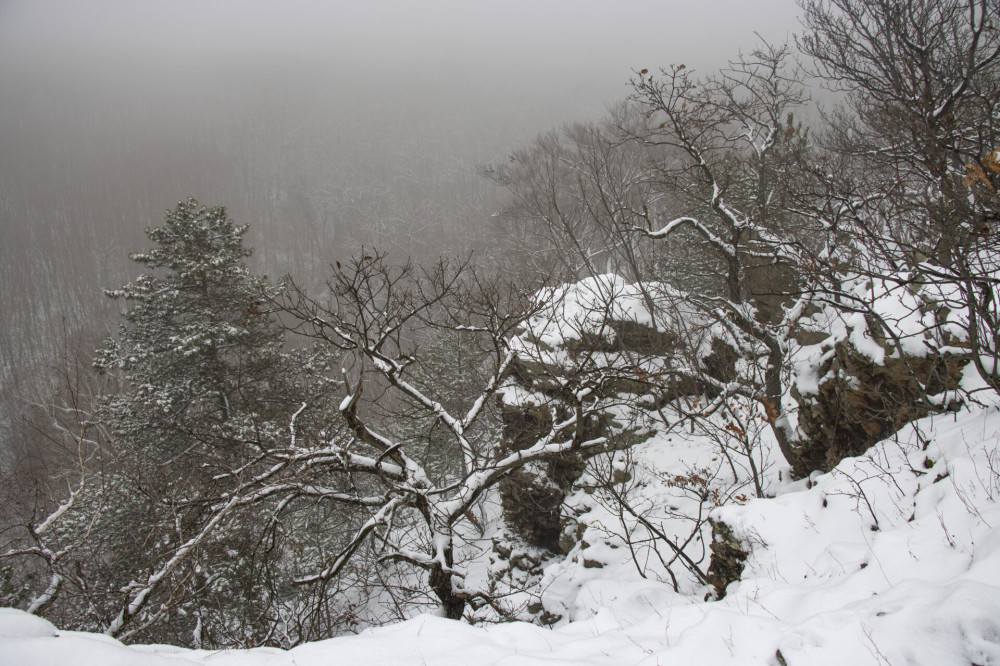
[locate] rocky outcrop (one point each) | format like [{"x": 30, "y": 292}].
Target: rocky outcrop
[
  {"x": 513, "y": 567},
  {"x": 860, "y": 400},
  {"x": 532, "y": 496},
  {"x": 598, "y": 339},
  {"x": 729, "y": 556}
]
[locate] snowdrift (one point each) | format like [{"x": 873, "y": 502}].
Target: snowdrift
[{"x": 891, "y": 558}]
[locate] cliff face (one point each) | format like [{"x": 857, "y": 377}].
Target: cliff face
[
  {"x": 532, "y": 497},
  {"x": 861, "y": 377},
  {"x": 859, "y": 402},
  {"x": 605, "y": 351}
]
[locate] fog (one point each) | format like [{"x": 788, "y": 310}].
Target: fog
[{"x": 324, "y": 125}]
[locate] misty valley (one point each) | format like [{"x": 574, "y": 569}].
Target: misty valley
[{"x": 349, "y": 363}]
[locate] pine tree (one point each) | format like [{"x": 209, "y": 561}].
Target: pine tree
[
  {"x": 225, "y": 477},
  {"x": 203, "y": 359},
  {"x": 208, "y": 392}
]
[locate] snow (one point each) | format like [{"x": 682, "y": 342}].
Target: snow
[
  {"x": 585, "y": 308},
  {"x": 861, "y": 338},
  {"x": 915, "y": 317},
  {"x": 15, "y": 624},
  {"x": 892, "y": 558}
]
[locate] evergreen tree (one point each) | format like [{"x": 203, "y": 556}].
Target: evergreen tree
[
  {"x": 203, "y": 358},
  {"x": 208, "y": 391}
]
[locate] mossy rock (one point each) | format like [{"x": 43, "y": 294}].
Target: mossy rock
[
  {"x": 860, "y": 402},
  {"x": 729, "y": 557},
  {"x": 532, "y": 496},
  {"x": 627, "y": 336}
]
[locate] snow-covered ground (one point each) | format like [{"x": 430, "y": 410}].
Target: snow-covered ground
[{"x": 893, "y": 558}]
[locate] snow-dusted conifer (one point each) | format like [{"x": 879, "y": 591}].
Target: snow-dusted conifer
[
  {"x": 202, "y": 357},
  {"x": 208, "y": 391}
]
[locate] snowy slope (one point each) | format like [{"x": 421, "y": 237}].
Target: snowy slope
[{"x": 893, "y": 558}]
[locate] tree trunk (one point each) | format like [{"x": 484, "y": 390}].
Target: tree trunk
[{"x": 440, "y": 582}]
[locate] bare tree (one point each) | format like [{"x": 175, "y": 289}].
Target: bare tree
[
  {"x": 919, "y": 140},
  {"x": 70, "y": 446},
  {"x": 576, "y": 194},
  {"x": 737, "y": 165},
  {"x": 708, "y": 184},
  {"x": 421, "y": 514}
]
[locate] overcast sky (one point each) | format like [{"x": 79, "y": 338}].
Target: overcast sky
[
  {"x": 524, "y": 63},
  {"x": 613, "y": 36}
]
